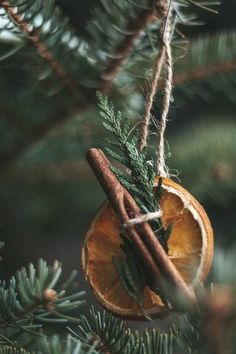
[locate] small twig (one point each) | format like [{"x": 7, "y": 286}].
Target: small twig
[
  {"x": 41, "y": 47},
  {"x": 141, "y": 235}
]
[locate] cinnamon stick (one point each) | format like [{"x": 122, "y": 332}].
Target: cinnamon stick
[
  {"x": 141, "y": 235},
  {"x": 115, "y": 194}
]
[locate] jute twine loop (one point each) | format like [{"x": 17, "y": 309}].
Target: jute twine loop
[
  {"x": 162, "y": 169},
  {"x": 164, "y": 59}
]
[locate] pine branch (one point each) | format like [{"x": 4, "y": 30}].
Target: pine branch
[
  {"x": 106, "y": 332},
  {"x": 157, "y": 342},
  {"x": 203, "y": 73},
  {"x": 135, "y": 26},
  {"x": 32, "y": 298},
  {"x": 116, "y": 34},
  {"x": 57, "y": 345},
  {"x": 211, "y": 329},
  {"x": 214, "y": 160},
  {"x": 52, "y": 345},
  {"x": 103, "y": 333},
  {"x": 12, "y": 350},
  {"x": 207, "y": 56},
  {"x": 42, "y": 48},
  {"x": 213, "y": 60},
  {"x": 200, "y": 60},
  {"x": 77, "y": 59},
  {"x": 110, "y": 335}
]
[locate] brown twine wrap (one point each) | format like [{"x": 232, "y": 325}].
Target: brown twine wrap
[{"x": 164, "y": 57}]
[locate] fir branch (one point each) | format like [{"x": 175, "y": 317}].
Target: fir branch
[
  {"x": 212, "y": 56},
  {"x": 12, "y": 350},
  {"x": 202, "y": 59},
  {"x": 214, "y": 159},
  {"x": 42, "y": 48},
  {"x": 135, "y": 26},
  {"x": 110, "y": 335},
  {"x": 117, "y": 35},
  {"x": 69, "y": 345},
  {"x": 52, "y": 345},
  {"x": 204, "y": 5},
  {"x": 106, "y": 332},
  {"x": 32, "y": 297},
  {"x": 114, "y": 26},
  {"x": 206, "y": 58},
  {"x": 156, "y": 342}
]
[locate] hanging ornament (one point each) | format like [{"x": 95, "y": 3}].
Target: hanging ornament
[
  {"x": 119, "y": 269},
  {"x": 190, "y": 249}
]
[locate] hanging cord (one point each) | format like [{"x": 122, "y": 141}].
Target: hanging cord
[
  {"x": 164, "y": 57},
  {"x": 162, "y": 169},
  {"x": 151, "y": 94}
]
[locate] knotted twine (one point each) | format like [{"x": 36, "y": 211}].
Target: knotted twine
[{"x": 164, "y": 58}]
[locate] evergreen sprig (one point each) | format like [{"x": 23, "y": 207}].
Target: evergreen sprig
[
  {"x": 110, "y": 334},
  {"x": 58, "y": 345},
  {"x": 41, "y": 25},
  {"x": 132, "y": 272},
  {"x": 137, "y": 175},
  {"x": 33, "y": 299},
  {"x": 123, "y": 147},
  {"x": 12, "y": 350},
  {"x": 62, "y": 80},
  {"x": 52, "y": 345},
  {"x": 107, "y": 333},
  {"x": 138, "y": 172},
  {"x": 156, "y": 341},
  {"x": 208, "y": 60},
  {"x": 110, "y": 24}
]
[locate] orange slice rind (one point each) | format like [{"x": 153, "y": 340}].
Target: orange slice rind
[{"x": 190, "y": 248}]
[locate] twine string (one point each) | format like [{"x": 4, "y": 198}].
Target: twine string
[
  {"x": 162, "y": 169},
  {"x": 150, "y": 97},
  {"x": 164, "y": 57},
  {"x": 143, "y": 218}
]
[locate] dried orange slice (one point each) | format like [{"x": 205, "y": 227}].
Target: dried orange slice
[{"x": 190, "y": 249}]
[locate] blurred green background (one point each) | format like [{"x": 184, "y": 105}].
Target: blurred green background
[{"x": 49, "y": 195}]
